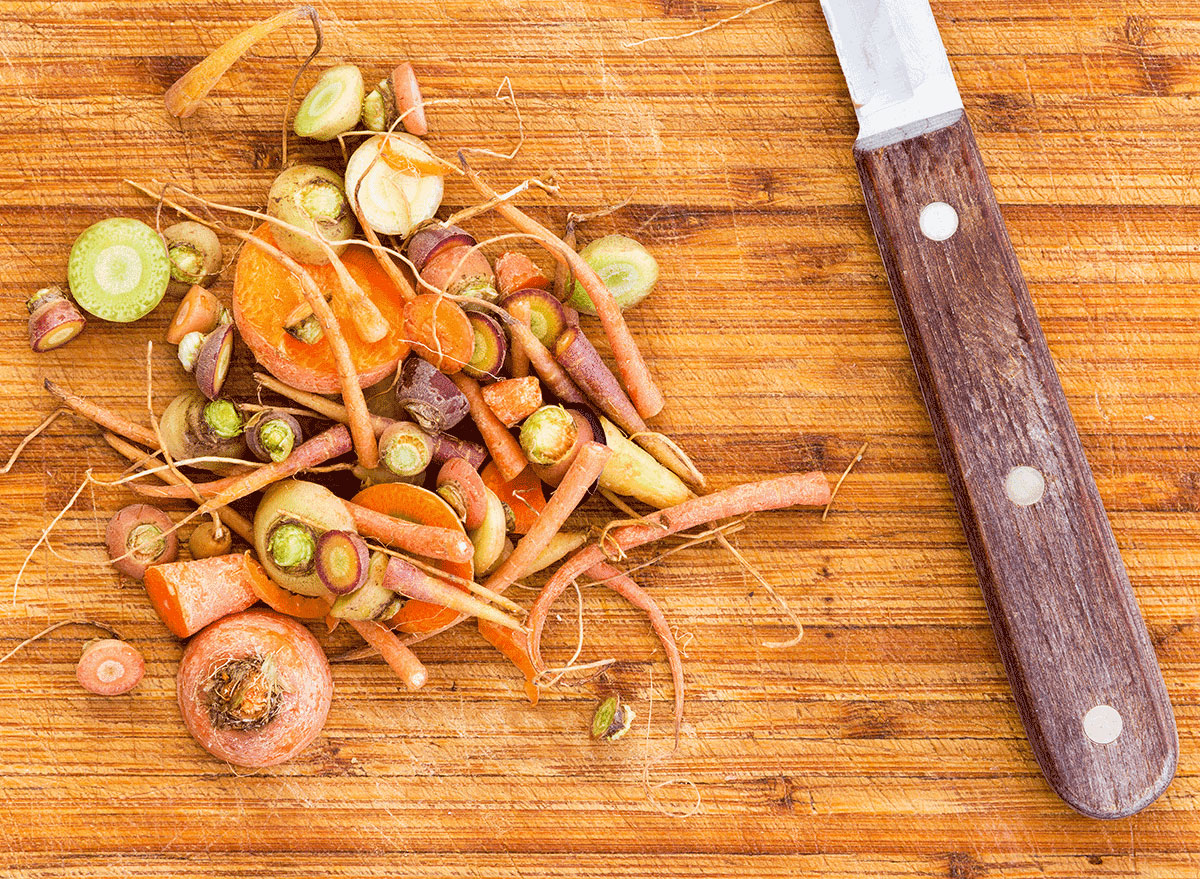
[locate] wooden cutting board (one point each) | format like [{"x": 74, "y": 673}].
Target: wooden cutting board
[{"x": 884, "y": 744}]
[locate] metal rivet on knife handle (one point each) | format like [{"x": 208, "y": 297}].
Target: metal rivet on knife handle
[{"x": 938, "y": 221}]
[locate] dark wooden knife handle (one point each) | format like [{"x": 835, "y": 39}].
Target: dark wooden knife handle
[{"x": 1060, "y": 603}]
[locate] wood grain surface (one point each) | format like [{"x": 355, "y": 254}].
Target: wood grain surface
[{"x": 887, "y": 743}]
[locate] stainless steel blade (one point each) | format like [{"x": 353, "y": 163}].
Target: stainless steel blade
[{"x": 895, "y": 65}]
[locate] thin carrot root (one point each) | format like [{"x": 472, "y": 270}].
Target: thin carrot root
[
  {"x": 584, "y": 471},
  {"x": 184, "y": 97},
  {"x": 32, "y": 639},
  {"x": 322, "y": 447},
  {"x": 506, "y": 451},
  {"x": 239, "y": 524},
  {"x": 402, "y": 660},
  {"x": 838, "y": 485},
  {"x": 321, "y": 405},
  {"x": 635, "y": 374},
  {"x": 794, "y": 489},
  {"x": 29, "y": 437},
  {"x": 105, "y": 418},
  {"x": 428, "y": 540},
  {"x": 637, "y": 596}
]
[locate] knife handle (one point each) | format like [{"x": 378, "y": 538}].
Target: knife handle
[{"x": 1078, "y": 657}]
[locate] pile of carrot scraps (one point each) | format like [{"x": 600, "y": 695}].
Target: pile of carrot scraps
[{"x": 494, "y": 418}]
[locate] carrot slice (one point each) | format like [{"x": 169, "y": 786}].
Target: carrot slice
[
  {"x": 191, "y": 594},
  {"x": 515, "y": 271},
  {"x": 265, "y": 292},
  {"x": 270, "y": 593},
  {"x": 414, "y": 504},
  {"x": 109, "y": 667},
  {"x": 523, "y": 495},
  {"x": 513, "y": 399},
  {"x": 439, "y": 331},
  {"x": 515, "y": 647}
]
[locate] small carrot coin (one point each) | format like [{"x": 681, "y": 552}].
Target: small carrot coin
[
  {"x": 254, "y": 688},
  {"x": 265, "y": 293},
  {"x": 439, "y": 331},
  {"x": 110, "y": 667}
]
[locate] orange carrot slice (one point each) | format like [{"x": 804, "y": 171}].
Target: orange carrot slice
[
  {"x": 270, "y": 593},
  {"x": 265, "y": 292},
  {"x": 513, "y": 399},
  {"x": 523, "y": 495},
  {"x": 191, "y": 594},
  {"x": 439, "y": 331},
  {"x": 109, "y": 667},
  {"x": 515, "y": 271},
  {"x": 414, "y": 504}
]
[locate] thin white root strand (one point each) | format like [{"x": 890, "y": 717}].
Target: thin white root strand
[
  {"x": 53, "y": 628},
  {"x": 701, "y": 30},
  {"x": 853, "y": 461}
]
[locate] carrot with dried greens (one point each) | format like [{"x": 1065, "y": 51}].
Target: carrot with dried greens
[
  {"x": 630, "y": 364},
  {"x": 402, "y": 660},
  {"x": 184, "y": 97},
  {"x": 514, "y": 399},
  {"x": 794, "y": 489},
  {"x": 254, "y": 688},
  {"x": 506, "y": 451},
  {"x": 106, "y": 418},
  {"x": 189, "y": 595},
  {"x": 235, "y": 520},
  {"x": 431, "y": 541},
  {"x": 571, "y": 491}
]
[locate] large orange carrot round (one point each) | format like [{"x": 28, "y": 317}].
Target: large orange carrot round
[
  {"x": 265, "y": 292},
  {"x": 254, "y": 689},
  {"x": 191, "y": 594},
  {"x": 414, "y": 504}
]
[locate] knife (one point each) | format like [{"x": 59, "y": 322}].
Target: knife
[{"x": 1078, "y": 657}]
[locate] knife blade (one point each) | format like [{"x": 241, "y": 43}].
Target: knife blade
[{"x": 1079, "y": 660}]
